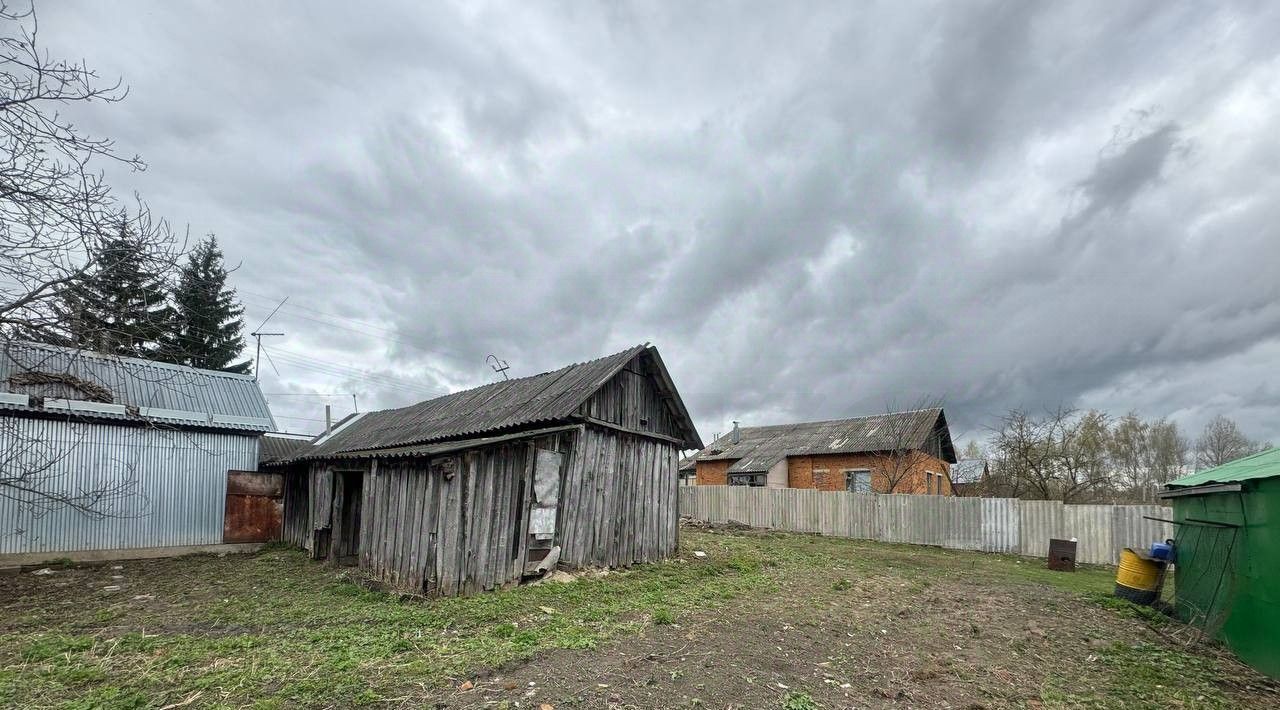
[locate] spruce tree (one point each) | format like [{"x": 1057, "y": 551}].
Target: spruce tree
[
  {"x": 208, "y": 319},
  {"x": 120, "y": 306}
]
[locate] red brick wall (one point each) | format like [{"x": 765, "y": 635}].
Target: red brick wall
[{"x": 825, "y": 472}]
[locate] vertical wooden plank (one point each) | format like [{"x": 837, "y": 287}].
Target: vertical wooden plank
[
  {"x": 526, "y": 477},
  {"x": 366, "y": 512},
  {"x": 577, "y": 510},
  {"x": 428, "y": 531},
  {"x": 413, "y": 527}
]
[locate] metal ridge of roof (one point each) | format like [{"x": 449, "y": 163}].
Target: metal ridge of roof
[
  {"x": 148, "y": 390},
  {"x": 127, "y": 359},
  {"x": 1264, "y": 464}
]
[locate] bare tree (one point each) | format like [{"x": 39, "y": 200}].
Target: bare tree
[
  {"x": 1222, "y": 441},
  {"x": 55, "y": 206},
  {"x": 1060, "y": 456},
  {"x": 1127, "y": 448},
  {"x": 903, "y": 458},
  {"x": 57, "y": 213},
  {"x": 1167, "y": 451}
]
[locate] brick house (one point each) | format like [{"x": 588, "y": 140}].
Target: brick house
[{"x": 901, "y": 452}]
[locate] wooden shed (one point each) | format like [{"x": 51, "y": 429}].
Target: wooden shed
[{"x": 480, "y": 488}]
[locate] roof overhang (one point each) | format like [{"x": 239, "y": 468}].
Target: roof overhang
[{"x": 1202, "y": 490}]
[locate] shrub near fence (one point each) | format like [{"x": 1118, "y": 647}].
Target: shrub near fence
[{"x": 1021, "y": 527}]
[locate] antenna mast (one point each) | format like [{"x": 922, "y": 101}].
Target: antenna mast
[
  {"x": 257, "y": 335},
  {"x": 499, "y": 366}
]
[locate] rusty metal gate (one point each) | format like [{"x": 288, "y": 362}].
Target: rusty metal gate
[{"x": 255, "y": 507}]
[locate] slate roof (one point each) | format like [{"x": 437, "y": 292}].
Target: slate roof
[
  {"x": 502, "y": 406},
  {"x": 275, "y": 447},
  {"x": 98, "y": 386},
  {"x": 968, "y": 470},
  {"x": 1264, "y": 464},
  {"x": 759, "y": 448}
]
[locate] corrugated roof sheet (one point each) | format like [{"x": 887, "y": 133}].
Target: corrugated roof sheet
[
  {"x": 276, "y": 447},
  {"x": 1265, "y": 464},
  {"x": 162, "y": 391},
  {"x": 547, "y": 397},
  {"x": 759, "y": 448},
  {"x": 967, "y": 470}
]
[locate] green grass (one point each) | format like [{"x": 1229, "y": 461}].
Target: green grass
[
  {"x": 1145, "y": 676},
  {"x": 237, "y": 630},
  {"x": 799, "y": 701},
  {"x": 279, "y": 624}
]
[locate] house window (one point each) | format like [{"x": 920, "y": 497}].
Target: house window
[
  {"x": 755, "y": 480},
  {"x": 857, "y": 480},
  {"x": 934, "y": 483}
]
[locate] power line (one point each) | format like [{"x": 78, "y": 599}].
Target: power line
[
  {"x": 389, "y": 336},
  {"x": 329, "y": 368},
  {"x": 308, "y": 394}
]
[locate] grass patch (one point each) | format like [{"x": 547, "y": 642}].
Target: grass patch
[
  {"x": 799, "y": 701},
  {"x": 1146, "y": 676},
  {"x": 241, "y": 628}
]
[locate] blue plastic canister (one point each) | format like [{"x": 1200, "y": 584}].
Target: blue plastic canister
[{"x": 1162, "y": 550}]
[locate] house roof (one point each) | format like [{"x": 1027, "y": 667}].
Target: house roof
[
  {"x": 1265, "y": 464},
  {"x": 759, "y": 448},
  {"x": 968, "y": 470},
  {"x": 502, "y": 406},
  {"x": 275, "y": 446},
  {"x": 47, "y": 378}
]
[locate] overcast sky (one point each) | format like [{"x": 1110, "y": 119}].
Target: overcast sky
[{"x": 812, "y": 210}]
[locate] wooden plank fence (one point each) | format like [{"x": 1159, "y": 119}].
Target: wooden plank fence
[{"x": 1007, "y": 525}]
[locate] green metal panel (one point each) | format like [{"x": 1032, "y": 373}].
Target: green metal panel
[
  {"x": 1258, "y": 466},
  {"x": 1228, "y": 578}
]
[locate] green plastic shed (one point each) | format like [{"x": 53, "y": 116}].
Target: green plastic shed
[{"x": 1228, "y": 555}]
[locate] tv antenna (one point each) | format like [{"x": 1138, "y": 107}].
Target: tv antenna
[
  {"x": 499, "y": 365},
  {"x": 258, "y": 334}
]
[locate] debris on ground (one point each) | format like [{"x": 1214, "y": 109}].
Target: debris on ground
[{"x": 42, "y": 572}]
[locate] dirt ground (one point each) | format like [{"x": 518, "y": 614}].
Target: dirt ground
[
  {"x": 882, "y": 642},
  {"x": 763, "y": 621}
]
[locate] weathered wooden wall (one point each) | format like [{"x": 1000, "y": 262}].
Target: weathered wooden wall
[
  {"x": 619, "y": 501},
  {"x": 447, "y": 525},
  {"x": 297, "y": 507},
  {"x": 632, "y": 400},
  {"x": 458, "y": 523}
]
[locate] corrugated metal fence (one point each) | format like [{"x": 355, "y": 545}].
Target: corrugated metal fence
[
  {"x": 172, "y": 485},
  {"x": 1007, "y": 525}
]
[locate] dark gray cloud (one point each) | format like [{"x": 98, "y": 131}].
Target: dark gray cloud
[{"x": 812, "y": 210}]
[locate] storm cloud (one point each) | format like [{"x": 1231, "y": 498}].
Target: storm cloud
[{"x": 813, "y": 210}]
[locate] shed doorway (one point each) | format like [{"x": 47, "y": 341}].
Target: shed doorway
[
  {"x": 348, "y": 492},
  {"x": 541, "y": 549}
]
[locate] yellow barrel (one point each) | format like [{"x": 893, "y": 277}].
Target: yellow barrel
[{"x": 1137, "y": 578}]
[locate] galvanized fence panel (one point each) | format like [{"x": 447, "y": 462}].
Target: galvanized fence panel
[
  {"x": 1001, "y": 525},
  {"x": 1038, "y": 520},
  {"x": 1132, "y": 526},
  {"x": 162, "y": 488},
  {"x": 963, "y": 529},
  {"x": 861, "y": 510},
  {"x": 1090, "y": 525},
  {"x": 989, "y": 524}
]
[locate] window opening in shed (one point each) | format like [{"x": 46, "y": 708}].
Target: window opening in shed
[{"x": 754, "y": 480}]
